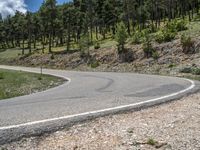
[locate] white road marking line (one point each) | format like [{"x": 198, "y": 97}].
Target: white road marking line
[{"x": 99, "y": 111}]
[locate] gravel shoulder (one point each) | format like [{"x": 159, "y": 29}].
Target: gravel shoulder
[{"x": 171, "y": 126}]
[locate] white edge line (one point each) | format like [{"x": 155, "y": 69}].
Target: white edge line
[{"x": 98, "y": 111}]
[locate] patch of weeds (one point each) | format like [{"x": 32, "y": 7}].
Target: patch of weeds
[
  {"x": 25, "y": 56},
  {"x": 130, "y": 130},
  {"x": 94, "y": 64},
  {"x": 97, "y": 46},
  {"x": 177, "y": 25},
  {"x": 136, "y": 38},
  {"x": 186, "y": 70},
  {"x": 52, "y": 57},
  {"x": 155, "y": 55},
  {"x": 171, "y": 66},
  {"x": 40, "y": 78},
  {"x": 139, "y": 36},
  {"x": 188, "y": 44},
  {"x": 148, "y": 49},
  {"x": 164, "y": 35},
  {"x": 152, "y": 142},
  {"x": 1, "y": 76},
  {"x": 196, "y": 71},
  {"x": 192, "y": 70},
  {"x": 192, "y": 77}
]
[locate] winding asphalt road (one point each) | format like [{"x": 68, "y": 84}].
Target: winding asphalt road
[{"x": 86, "y": 94}]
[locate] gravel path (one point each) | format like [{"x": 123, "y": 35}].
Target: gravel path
[{"x": 170, "y": 126}]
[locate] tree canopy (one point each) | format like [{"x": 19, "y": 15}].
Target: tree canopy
[{"x": 63, "y": 25}]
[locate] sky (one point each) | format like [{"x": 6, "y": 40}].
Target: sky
[
  {"x": 9, "y": 7},
  {"x": 33, "y": 5}
]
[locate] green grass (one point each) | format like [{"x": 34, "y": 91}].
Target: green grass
[
  {"x": 195, "y": 77},
  {"x": 151, "y": 142},
  {"x": 193, "y": 29},
  {"x": 108, "y": 43},
  {"x": 18, "y": 83},
  {"x": 10, "y": 54}
]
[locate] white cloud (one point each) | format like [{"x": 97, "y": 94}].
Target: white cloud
[{"x": 9, "y": 7}]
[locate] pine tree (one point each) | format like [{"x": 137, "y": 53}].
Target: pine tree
[{"x": 121, "y": 36}]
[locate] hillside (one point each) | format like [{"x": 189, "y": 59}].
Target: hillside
[{"x": 171, "y": 58}]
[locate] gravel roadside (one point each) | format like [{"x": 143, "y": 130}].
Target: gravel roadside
[{"x": 172, "y": 126}]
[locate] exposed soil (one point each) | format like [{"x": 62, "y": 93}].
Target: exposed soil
[
  {"x": 171, "y": 59},
  {"x": 173, "y": 126}
]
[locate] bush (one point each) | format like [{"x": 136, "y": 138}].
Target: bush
[
  {"x": 97, "y": 46},
  {"x": 187, "y": 44},
  {"x": 164, "y": 36},
  {"x": 153, "y": 28},
  {"x": 192, "y": 70},
  {"x": 139, "y": 36},
  {"x": 148, "y": 50},
  {"x": 155, "y": 55},
  {"x": 177, "y": 25},
  {"x": 196, "y": 71},
  {"x": 94, "y": 64},
  {"x": 136, "y": 38}
]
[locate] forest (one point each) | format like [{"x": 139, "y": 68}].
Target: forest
[{"x": 81, "y": 23}]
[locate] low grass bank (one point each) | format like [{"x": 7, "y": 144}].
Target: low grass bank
[
  {"x": 197, "y": 78},
  {"x": 18, "y": 83}
]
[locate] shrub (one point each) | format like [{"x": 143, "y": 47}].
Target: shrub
[
  {"x": 187, "y": 44},
  {"x": 148, "y": 48},
  {"x": 153, "y": 29},
  {"x": 97, "y": 46},
  {"x": 136, "y": 38},
  {"x": 192, "y": 70},
  {"x": 186, "y": 70},
  {"x": 94, "y": 64},
  {"x": 139, "y": 36},
  {"x": 177, "y": 25},
  {"x": 164, "y": 36},
  {"x": 196, "y": 71},
  {"x": 155, "y": 55}
]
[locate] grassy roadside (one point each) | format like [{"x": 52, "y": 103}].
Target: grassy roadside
[
  {"x": 18, "y": 83},
  {"x": 197, "y": 78}
]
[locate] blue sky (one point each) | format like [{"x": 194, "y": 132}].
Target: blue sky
[
  {"x": 9, "y": 7},
  {"x": 33, "y": 5}
]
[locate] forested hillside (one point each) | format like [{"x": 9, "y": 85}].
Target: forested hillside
[
  {"x": 92, "y": 19},
  {"x": 123, "y": 26}
]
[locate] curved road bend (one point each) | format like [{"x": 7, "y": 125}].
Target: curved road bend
[{"x": 86, "y": 92}]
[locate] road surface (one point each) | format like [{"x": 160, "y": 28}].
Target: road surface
[{"x": 84, "y": 95}]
